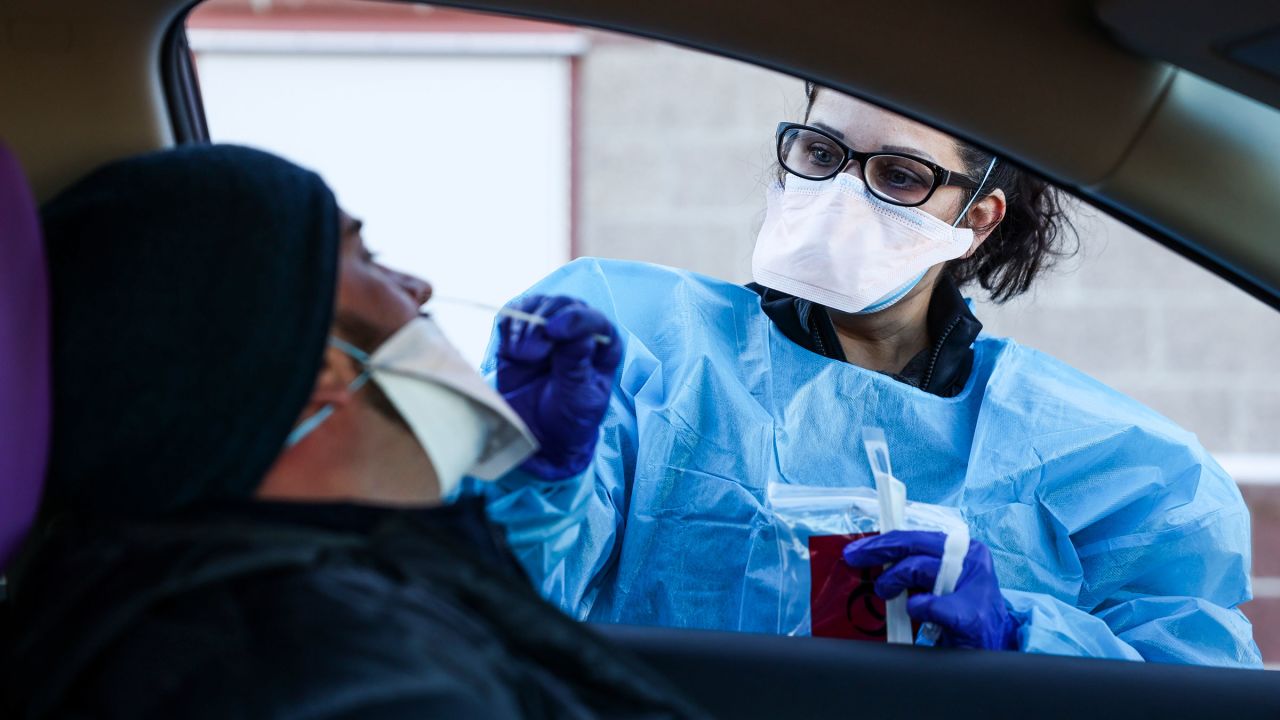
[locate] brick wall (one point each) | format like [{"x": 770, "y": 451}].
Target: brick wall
[
  {"x": 1264, "y": 610},
  {"x": 675, "y": 154}
]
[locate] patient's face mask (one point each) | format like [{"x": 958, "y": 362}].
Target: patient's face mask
[
  {"x": 464, "y": 426},
  {"x": 834, "y": 243}
]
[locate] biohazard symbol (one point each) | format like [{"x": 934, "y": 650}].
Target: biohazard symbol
[{"x": 864, "y": 609}]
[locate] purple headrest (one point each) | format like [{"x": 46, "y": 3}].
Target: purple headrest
[{"x": 24, "y": 358}]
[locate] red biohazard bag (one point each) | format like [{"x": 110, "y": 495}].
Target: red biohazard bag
[
  {"x": 819, "y": 594},
  {"x": 842, "y": 600}
]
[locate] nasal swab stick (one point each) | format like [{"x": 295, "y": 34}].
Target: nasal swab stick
[{"x": 510, "y": 312}]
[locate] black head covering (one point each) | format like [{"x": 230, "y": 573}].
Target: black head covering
[{"x": 192, "y": 292}]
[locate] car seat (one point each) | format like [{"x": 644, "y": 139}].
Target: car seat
[{"x": 24, "y": 358}]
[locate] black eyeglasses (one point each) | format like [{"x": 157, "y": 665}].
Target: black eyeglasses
[{"x": 905, "y": 180}]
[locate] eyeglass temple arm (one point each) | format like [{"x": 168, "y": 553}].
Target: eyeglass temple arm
[
  {"x": 969, "y": 182},
  {"x": 958, "y": 180}
]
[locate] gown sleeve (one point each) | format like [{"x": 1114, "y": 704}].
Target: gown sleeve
[
  {"x": 567, "y": 533},
  {"x": 1162, "y": 579},
  {"x": 1150, "y": 629},
  {"x": 1115, "y": 533}
]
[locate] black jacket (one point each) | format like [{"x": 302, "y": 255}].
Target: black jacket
[
  {"x": 275, "y": 610},
  {"x": 942, "y": 369}
]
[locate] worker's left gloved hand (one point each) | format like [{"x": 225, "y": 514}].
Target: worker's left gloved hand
[
  {"x": 558, "y": 378},
  {"x": 973, "y": 616}
]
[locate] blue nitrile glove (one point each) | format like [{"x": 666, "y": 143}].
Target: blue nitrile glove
[
  {"x": 973, "y": 616},
  {"x": 558, "y": 378}
]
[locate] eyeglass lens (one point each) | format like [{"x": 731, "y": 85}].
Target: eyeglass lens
[{"x": 814, "y": 156}]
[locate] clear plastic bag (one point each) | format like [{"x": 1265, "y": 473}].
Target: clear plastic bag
[{"x": 824, "y": 597}]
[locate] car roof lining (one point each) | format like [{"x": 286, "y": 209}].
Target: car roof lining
[
  {"x": 1235, "y": 43},
  {"x": 80, "y": 84},
  {"x": 1135, "y": 135}
]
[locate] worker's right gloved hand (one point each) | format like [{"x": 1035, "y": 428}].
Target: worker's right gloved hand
[{"x": 558, "y": 377}]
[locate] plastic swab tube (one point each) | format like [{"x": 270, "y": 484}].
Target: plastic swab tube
[{"x": 892, "y": 494}]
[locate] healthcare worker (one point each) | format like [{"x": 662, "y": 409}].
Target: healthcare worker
[{"x": 1099, "y": 527}]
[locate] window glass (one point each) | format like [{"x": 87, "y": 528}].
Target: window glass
[
  {"x": 483, "y": 152},
  {"x": 422, "y": 124}
]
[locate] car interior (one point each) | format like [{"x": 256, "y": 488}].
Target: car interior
[{"x": 1166, "y": 116}]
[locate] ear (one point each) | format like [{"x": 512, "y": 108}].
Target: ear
[
  {"x": 334, "y": 381},
  {"x": 984, "y": 216}
]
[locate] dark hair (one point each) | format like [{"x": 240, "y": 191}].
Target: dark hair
[{"x": 1033, "y": 236}]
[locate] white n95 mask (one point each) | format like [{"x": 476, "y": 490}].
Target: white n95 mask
[
  {"x": 463, "y": 425},
  {"x": 834, "y": 243}
]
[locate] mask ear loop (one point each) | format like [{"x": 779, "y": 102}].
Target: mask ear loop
[
  {"x": 306, "y": 427},
  {"x": 976, "y": 193},
  {"x": 354, "y": 352}
]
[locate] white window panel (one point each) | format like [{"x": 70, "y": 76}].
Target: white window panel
[{"x": 459, "y": 164}]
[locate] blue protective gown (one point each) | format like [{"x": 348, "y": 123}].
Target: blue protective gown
[{"x": 1114, "y": 533}]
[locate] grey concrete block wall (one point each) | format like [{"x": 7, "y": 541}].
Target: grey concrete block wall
[
  {"x": 675, "y": 154},
  {"x": 1161, "y": 329}
]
